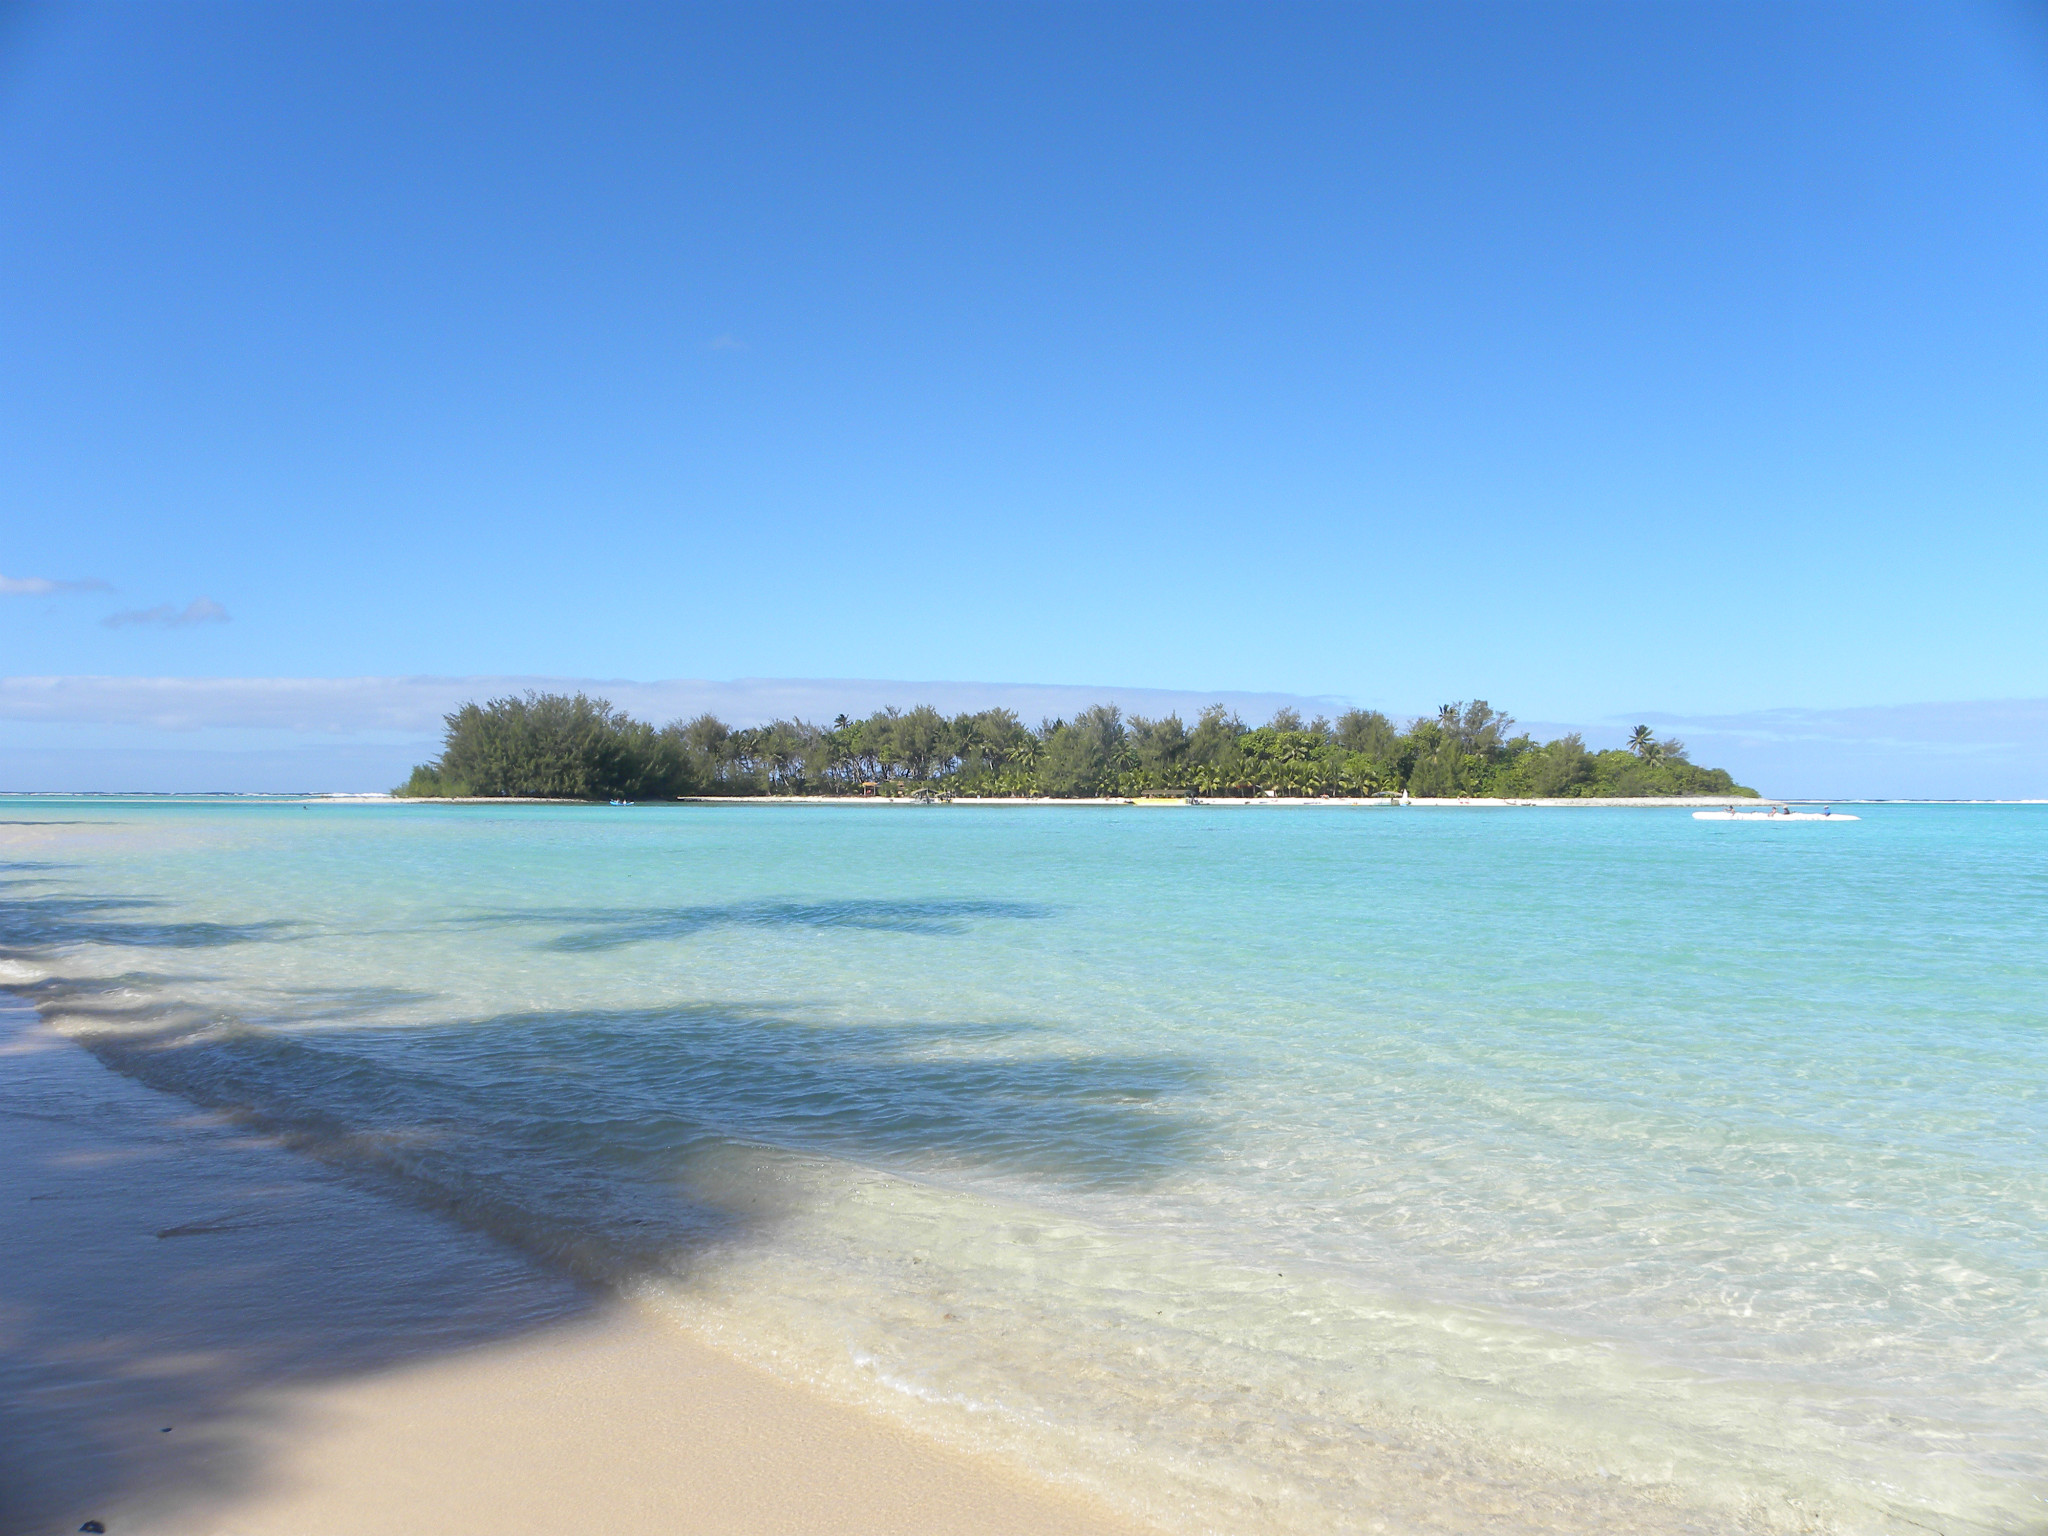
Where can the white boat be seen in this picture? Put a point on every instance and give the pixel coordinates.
(1734, 815)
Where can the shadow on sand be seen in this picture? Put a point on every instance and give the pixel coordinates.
(161, 1262)
(611, 929)
(161, 1273)
(34, 922)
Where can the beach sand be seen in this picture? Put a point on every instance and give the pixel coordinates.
(201, 1332)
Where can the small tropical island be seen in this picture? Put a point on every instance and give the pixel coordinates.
(573, 747)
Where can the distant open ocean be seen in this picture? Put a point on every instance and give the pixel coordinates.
(1287, 1169)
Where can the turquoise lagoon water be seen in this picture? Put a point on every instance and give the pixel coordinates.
(1298, 1169)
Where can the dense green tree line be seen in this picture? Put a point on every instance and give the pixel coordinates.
(578, 748)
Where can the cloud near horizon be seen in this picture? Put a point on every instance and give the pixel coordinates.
(201, 610)
(1973, 749)
(44, 586)
(1989, 725)
(350, 705)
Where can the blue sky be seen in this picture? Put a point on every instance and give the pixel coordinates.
(1602, 361)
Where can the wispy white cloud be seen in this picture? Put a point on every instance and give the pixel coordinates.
(726, 343)
(43, 586)
(201, 610)
(357, 705)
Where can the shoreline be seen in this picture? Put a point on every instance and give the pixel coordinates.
(1189, 1389)
(207, 1332)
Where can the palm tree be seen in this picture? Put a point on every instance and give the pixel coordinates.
(1641, 741)
(1359, 780)
(969, 749)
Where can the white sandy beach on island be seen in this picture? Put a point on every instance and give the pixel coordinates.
(202, 1333)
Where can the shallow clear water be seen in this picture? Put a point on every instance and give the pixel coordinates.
(1276, 1168)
